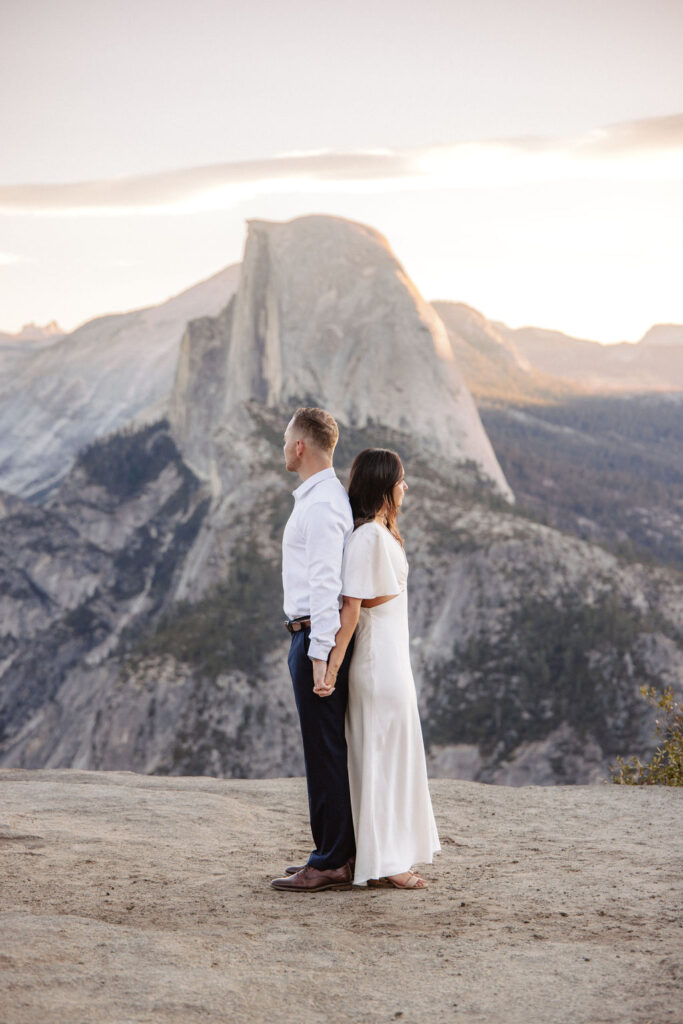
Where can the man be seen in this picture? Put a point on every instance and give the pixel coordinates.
(312, 548)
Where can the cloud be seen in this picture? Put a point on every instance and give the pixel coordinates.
(652, 135)
(169, 189)
(649, 135)
(6, 258)
(650, 148)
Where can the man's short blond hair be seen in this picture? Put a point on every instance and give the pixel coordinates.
(318, 425)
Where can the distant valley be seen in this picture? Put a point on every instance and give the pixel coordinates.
(585, 453)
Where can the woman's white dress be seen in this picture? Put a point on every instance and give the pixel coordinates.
(392, 809)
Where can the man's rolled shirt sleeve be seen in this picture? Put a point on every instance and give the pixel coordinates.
(324, 530)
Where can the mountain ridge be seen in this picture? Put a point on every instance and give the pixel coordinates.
(47, 385)
(107, 372)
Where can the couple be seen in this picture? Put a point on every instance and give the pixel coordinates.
(370, 809)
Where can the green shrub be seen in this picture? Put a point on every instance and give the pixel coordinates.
(666, 766)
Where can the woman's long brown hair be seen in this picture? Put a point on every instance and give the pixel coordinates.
(374, 474)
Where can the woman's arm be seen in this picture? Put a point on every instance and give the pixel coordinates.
(348, 617)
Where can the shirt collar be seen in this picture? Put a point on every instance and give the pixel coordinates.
(305, 487)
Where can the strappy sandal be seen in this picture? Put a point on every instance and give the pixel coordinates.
(387, 883)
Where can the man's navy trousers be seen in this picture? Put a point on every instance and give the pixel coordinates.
(325, 756)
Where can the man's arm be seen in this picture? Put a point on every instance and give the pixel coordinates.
(324, 531)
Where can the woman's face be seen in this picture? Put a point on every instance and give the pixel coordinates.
(399, 490)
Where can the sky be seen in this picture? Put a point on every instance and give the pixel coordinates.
(524, 158)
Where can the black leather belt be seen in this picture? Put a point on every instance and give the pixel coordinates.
(296, 625)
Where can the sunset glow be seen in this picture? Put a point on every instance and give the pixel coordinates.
(538, 190)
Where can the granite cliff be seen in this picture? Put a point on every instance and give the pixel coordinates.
(324, 308)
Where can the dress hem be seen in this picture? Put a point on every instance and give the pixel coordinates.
(390, 871)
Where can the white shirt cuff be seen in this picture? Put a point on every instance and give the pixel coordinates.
(317, 649)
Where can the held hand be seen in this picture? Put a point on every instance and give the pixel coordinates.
(319, 670)
(321, 684)
(330, 681)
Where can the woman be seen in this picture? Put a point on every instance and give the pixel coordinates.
(392, 810)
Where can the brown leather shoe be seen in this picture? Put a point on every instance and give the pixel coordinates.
(309, 879)
(291, 870)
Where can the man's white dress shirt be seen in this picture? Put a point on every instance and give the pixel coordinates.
(312, 549)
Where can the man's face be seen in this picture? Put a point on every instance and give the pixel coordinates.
(292, 459)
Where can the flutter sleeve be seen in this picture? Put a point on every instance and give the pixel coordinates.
(367, 567)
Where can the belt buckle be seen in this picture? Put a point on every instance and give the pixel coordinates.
(295, 625)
